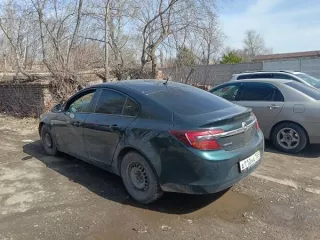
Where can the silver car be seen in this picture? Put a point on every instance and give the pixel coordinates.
(289, 75)
(288, 112)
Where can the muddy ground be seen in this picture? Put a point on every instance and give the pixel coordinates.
(43, 197)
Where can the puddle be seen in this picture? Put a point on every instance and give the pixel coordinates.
(229, 207)
(281, 214)
(175, 210)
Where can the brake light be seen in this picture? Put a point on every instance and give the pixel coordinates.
(257, 124)
(202, 140)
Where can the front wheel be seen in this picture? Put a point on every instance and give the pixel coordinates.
(139, 178)
(289, 137)
(48, 141)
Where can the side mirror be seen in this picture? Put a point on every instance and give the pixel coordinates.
(57, 108)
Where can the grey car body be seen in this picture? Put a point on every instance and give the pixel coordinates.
(288, 75)
(278, 104)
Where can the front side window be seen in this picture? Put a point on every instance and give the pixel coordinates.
(110, 102)
(81, 104)
(228, 92)
(257, 92)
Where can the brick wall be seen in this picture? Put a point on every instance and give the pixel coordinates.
(28, 99)
(25, 99)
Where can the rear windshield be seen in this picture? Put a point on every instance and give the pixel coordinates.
(311, 92)
(189, 100)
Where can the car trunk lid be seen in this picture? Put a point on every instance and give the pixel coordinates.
(232, 128)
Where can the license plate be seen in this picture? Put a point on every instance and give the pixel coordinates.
(250, 161)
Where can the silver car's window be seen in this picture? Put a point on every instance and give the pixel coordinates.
(228, 92)
(257, 92)
(283, 76)
(261, 75)
(245, 76)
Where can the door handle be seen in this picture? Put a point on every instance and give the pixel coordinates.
(273, 106)
(111, 127)
(77, 124)
(115, 127)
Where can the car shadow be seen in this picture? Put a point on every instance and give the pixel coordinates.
(311, 151)
(110, 186)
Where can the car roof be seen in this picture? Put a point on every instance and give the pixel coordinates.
(259, 72)
(144, 86)
(274, 81)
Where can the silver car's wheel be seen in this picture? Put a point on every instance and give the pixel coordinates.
(289, 137)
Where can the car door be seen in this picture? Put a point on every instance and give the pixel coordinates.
(69, 127)
(265, 100)
(104, 128)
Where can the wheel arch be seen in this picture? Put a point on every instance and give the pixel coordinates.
(287, 121)
(40, 127)
(125, 151)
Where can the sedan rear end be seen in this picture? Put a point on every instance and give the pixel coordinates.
(214, 143)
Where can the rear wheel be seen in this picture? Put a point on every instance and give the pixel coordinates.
(139, 178)
(48, 141)
(289, 137)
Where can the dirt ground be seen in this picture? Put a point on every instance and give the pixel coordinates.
(43, 197)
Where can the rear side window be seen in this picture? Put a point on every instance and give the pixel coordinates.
(110, 102)
(261, 75)
(131, 108)
(189, 101)
(283, 76)
(278, 97)
(258, 92)
(309, 91)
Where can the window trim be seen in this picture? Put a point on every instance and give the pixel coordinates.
(259, 83)
(126, 99)
(79, 95)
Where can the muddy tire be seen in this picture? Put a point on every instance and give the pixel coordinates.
(47, 141)
(139, 178)
(289, 137)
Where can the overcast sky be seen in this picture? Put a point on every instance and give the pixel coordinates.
(285, 25)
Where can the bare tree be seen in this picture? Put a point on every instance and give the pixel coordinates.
(212, 39)
(19, 37)
(254, 44)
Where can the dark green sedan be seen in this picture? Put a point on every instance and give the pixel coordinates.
(159, 136)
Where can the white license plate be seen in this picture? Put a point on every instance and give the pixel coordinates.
(250, 161)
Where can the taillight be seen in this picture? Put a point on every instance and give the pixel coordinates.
(257, 124)
(202, 140)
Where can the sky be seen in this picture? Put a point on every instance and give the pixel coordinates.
(285, 25)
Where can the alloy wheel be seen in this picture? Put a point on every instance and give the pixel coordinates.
(288, 138)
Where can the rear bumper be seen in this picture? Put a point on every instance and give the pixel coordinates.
(205, 188)
(203, 176)
(313, 130)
